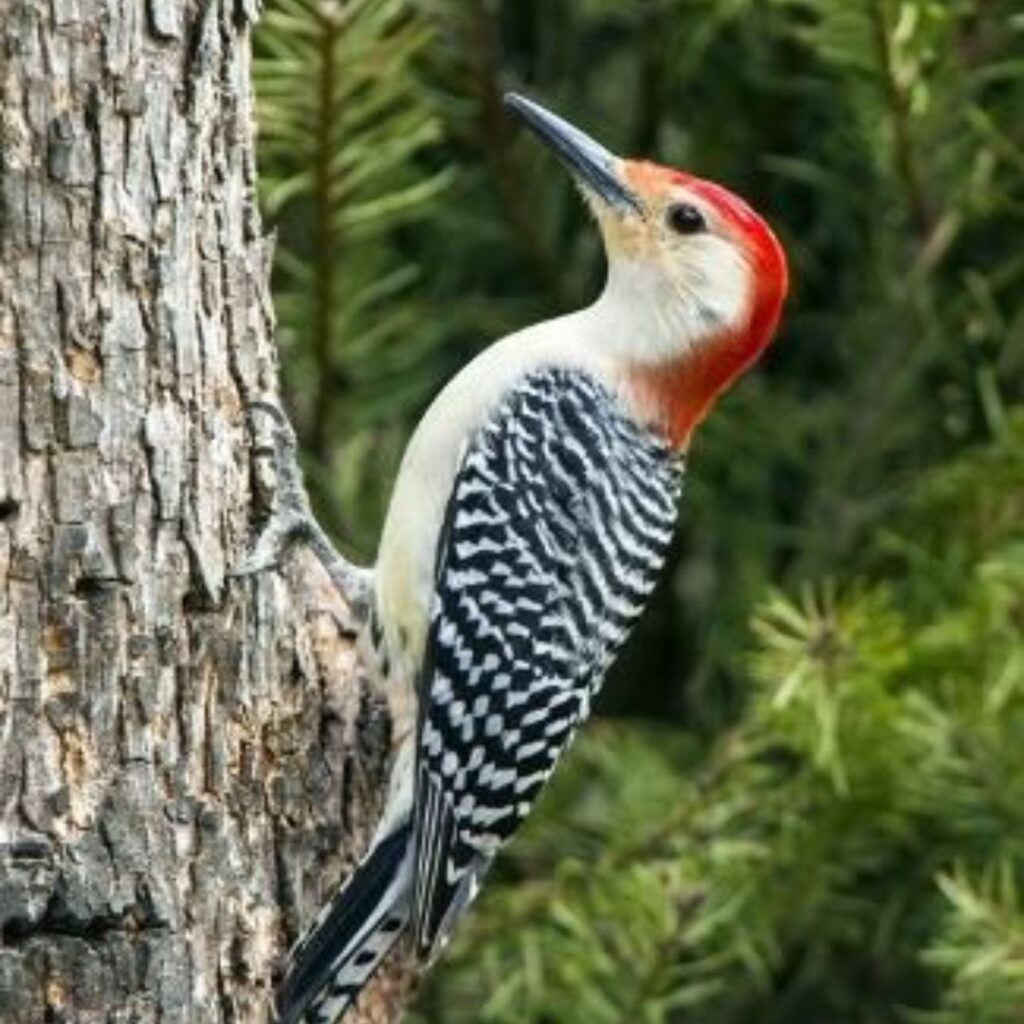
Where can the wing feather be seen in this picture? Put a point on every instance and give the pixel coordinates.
(558, 525)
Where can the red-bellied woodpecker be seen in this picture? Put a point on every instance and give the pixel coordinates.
(528, 525)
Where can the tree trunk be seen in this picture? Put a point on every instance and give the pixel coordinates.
(188, 763)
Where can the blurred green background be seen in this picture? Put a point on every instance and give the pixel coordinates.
(803, 798)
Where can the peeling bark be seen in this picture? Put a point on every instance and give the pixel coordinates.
(188, 763)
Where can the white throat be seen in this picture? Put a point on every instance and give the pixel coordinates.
(653, 314)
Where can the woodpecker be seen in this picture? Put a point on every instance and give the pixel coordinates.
(528, 524)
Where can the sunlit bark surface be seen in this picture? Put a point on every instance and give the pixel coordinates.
(188, 763)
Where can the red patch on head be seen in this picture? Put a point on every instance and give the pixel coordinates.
(685, 390)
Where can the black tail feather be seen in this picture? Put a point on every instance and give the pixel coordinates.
(335, 940)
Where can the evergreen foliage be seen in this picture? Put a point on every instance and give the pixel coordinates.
(343, 122)
(851, 849)
(804, 801)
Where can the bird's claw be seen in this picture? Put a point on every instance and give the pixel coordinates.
(276, 413)
(292, 520)
(282, 530)
(291, 493)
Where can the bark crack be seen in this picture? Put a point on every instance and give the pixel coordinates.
(59, 920)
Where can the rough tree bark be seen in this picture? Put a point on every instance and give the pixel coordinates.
(188, 762)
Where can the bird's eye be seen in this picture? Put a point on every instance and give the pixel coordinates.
(686, 219)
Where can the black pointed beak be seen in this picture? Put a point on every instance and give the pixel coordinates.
(588, 161)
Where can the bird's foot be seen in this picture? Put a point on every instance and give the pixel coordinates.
(292, 522)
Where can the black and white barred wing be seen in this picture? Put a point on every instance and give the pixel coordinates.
(556, 531)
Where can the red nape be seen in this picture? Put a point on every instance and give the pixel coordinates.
(680, 394)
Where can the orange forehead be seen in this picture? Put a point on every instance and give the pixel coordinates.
(647, 177)
(652, 179)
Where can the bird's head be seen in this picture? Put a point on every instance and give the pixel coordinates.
(696, 279)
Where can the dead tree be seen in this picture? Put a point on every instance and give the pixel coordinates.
(188, 761)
